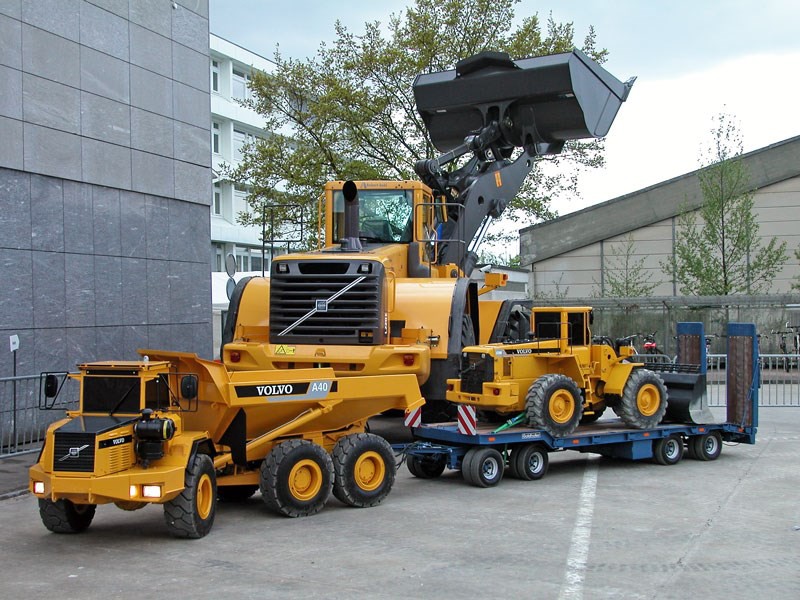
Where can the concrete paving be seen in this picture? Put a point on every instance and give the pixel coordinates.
(592, 528)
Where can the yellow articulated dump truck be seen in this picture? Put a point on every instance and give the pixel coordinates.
(389, 291)
(176, 430)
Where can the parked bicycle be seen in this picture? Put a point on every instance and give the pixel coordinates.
(785, 348)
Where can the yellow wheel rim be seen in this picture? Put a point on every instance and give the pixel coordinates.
(370, 471)
(648, 400)
(305, 480)
(205, 496)
(561, 406)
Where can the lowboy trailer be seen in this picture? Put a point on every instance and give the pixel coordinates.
(483, 452)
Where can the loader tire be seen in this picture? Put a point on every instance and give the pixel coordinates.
(64, 516)
(364, 469)
(553, 404)
(644, 400)
(191, 513)
(296, 478)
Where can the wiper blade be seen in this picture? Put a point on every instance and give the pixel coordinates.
(121, 400)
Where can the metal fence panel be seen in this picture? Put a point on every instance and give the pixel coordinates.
(22, 424)
(780, 380)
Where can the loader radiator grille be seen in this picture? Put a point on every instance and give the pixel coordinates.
(327, 302)
(475, 370)
(73, 452)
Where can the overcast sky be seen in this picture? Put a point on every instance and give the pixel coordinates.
(693, 59)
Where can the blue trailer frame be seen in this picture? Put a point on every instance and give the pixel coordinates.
(440, 446)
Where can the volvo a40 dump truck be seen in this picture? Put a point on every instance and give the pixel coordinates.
(557, 375)
(390, 290)
(182, 432)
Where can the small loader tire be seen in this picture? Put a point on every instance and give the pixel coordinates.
(364, 469)
(554, 404)
(191, 513)
(64, 516)
(644, 400)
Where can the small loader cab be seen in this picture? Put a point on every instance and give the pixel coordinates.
(384, 216)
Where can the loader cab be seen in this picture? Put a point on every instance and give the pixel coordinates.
(123, 389)
(570, 326)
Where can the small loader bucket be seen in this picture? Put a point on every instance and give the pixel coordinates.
(541, 101)
(687, 400)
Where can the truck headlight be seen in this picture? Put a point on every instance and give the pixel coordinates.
(38, 487)
(151, 491)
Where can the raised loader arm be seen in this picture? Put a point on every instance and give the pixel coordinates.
(491, 105)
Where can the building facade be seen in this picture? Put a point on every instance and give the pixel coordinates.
(105, 179)
(571, 256)
(232, 126)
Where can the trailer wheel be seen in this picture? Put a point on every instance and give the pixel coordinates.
(707, 446)
(553, 403)
(466, 462)
(191, 513)
(235, 493)
(296, 478)
(64, 516)
(644, 400)
(429, 466)
(530, 462)
(364, 469)
(668, 450)
(485, 468)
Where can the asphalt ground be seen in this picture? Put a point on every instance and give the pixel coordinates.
(592, 528)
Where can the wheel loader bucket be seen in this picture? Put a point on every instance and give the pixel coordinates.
(687, 400)
(539, 102)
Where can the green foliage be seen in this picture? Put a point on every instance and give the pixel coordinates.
(796, 282)
(721, 253)
(348, 112)
(624, 276)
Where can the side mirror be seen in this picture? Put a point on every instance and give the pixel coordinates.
(50, 386)
(188, 387)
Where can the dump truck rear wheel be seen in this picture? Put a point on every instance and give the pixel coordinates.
(64, 516)
(364, 469)
(191, 513)
(427, 466)
(668, 450)
(485, 467)
(707, 446)
(296, 478)
(235, 493)
(530, 462)
(644, 400)
(553, 403)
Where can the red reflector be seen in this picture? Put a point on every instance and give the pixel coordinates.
(408, 359)
(496, 391)
(576, 441)
(491, 439)
(702, 429)
(235, 356)
(646, 434)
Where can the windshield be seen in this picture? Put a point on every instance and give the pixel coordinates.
(383, 215)
(111, 394)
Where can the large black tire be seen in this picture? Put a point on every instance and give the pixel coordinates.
(644, 400)
(428, 466)
(296, 478)
(364, 469)
(668, 450)
(705, 447)
(485, 467)
(553, 404)
(64, 516)
(191, 513)
(466, 462)
(235, 493)
(530, 462)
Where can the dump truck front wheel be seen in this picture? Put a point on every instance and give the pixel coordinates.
(364, 469)
(554, 404)
(191, 513)
(644, 400)
(296, 478)
(64, 516)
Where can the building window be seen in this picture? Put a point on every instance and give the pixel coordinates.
(239, 85)
(215, 76)
(217, 205)
(215, 132)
